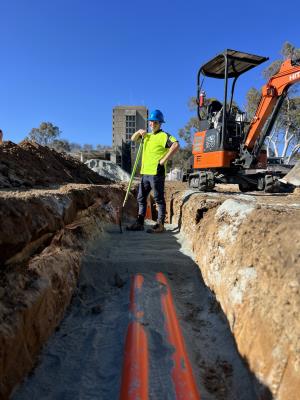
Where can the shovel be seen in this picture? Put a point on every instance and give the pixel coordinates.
(137, 159)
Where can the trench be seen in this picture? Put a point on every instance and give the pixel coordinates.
(228, 258)
(83, 358)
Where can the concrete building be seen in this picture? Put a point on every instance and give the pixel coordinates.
(125, 121)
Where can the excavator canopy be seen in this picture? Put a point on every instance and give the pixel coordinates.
(238, 63)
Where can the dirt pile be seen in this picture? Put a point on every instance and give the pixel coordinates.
(30, 164)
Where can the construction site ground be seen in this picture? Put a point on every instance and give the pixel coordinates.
(232, 261)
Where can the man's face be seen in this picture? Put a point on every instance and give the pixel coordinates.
(154, 126)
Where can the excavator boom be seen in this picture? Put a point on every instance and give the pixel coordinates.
(273, 91)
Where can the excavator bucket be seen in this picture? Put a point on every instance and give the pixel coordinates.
(293, 176)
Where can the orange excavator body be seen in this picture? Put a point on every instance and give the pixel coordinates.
(215, 159)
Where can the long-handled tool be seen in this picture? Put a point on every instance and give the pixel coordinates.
(137, 159)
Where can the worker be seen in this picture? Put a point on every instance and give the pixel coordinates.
(1, 136)
(158, 148)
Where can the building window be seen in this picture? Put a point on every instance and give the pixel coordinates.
(130, 118)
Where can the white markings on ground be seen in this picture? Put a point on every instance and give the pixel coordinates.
(236, 212)
(245, 276)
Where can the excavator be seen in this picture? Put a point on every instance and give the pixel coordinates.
(228, 148)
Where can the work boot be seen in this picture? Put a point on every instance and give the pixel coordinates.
(157, 228)
(138, 225)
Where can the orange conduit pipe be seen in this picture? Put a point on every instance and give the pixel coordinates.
(182, 374)
(135, 375)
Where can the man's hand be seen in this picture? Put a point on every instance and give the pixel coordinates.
(140, 133)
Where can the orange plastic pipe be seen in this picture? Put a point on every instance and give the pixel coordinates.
(182, 374)
(136, 287)
(135, 376)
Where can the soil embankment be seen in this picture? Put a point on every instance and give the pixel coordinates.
(29, 165)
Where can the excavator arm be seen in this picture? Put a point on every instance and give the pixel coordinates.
(273, 94)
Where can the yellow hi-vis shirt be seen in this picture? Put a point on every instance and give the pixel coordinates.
(156, 146)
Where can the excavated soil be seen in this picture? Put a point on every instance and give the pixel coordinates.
(232, 259)
(29, 164)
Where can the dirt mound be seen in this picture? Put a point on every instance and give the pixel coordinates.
(30, 164)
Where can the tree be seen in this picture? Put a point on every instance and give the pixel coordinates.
(44, 134)
(284, 139)
(87, 147)
(181, 158)
(187, 132)
(193, 125)
(101, 147)
(75, 147)
(60, 145)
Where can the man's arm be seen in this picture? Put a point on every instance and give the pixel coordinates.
(172, 150)
(138, 134)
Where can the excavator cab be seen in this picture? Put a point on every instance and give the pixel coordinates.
(225, 124)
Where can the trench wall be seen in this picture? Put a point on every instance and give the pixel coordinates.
(249, 256)
(43, 238)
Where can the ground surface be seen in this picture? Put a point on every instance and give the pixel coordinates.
(84, 357)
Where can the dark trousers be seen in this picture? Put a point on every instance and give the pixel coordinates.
(157, 184)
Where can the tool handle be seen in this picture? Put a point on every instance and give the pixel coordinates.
(137, 159)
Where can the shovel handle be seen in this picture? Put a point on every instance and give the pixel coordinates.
(137, 159)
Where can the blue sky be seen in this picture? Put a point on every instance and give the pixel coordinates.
(70, 61)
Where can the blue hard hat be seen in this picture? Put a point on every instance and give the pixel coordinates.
(156, 115)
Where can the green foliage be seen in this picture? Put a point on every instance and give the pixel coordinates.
(288, 51)
(181, 158)
(193, 125)
(187, 132)
(87, 147)
(253, 96)
(44, 134)
(60, 145)
(74, 147)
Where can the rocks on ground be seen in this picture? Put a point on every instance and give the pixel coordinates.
(108, 170)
